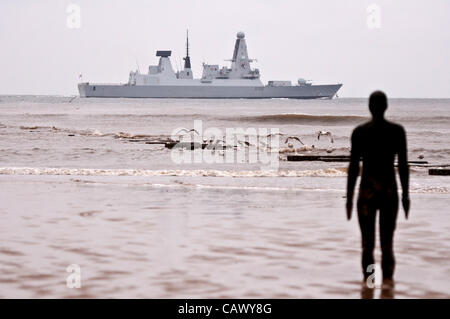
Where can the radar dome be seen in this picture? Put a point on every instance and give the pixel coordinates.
(240, 35)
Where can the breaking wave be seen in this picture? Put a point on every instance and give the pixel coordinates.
(420, 190)
(426, 119)
(331, 172)
(430, 189)
(431, 150)
(304, 119)
(55, 129)
(92, 132)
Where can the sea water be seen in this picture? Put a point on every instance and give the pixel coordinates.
(79, 186)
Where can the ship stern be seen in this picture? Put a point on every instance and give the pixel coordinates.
(82, 89)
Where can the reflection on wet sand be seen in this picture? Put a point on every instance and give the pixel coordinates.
(133, 238)
(386, 291)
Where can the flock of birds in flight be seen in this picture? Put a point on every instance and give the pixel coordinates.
(288, 140)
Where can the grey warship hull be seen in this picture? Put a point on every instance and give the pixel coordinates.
(208, 92)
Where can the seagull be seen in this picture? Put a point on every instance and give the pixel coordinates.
(319, 133)
(244, 143)
(186, 131)
(293, 138)
(210, 140)
(274, 134)
(73, 98)
(261, 138)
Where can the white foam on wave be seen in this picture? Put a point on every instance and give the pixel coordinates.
(430, 189)
(330, 172)
(181, 184)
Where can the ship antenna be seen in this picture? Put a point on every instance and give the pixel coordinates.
(187, 59)
(187, 42)
(137, 64)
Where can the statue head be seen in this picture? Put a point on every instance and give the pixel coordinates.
(378, 104)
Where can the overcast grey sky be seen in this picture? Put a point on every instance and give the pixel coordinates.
(328, 41)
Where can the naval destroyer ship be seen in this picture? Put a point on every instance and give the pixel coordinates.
(238, 81)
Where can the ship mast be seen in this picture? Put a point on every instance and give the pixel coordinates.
(187, 59)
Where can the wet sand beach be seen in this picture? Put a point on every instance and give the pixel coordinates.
(73, 191)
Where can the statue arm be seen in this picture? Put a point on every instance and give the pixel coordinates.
(403, 170)
(353, 171)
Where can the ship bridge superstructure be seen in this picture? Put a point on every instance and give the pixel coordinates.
(240, 64)
(239, 74)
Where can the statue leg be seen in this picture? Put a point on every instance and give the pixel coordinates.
(388, 218)
(366, 218)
